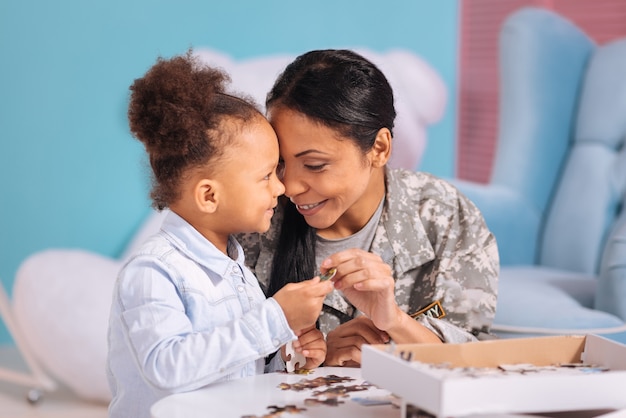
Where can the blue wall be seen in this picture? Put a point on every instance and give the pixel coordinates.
(70, 173)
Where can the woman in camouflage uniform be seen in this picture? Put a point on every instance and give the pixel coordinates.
(415, 261)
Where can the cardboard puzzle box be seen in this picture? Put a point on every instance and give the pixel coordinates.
(524, 375)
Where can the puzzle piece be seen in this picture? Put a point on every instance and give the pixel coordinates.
(329, 274)
(293, 358)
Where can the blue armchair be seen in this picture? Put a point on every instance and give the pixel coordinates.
(555, 201)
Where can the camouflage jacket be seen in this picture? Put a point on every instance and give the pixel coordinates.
(444, 259)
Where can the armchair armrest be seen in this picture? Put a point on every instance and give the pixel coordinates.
(611, 290)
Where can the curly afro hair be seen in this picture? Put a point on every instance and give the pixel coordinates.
(175, 110)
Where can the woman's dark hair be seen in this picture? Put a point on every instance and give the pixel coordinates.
(341, 90)
(175, 110)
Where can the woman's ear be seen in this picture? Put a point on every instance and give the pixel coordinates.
(381, 151)
(206, 195)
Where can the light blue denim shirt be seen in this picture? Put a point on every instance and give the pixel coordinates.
(185, 315)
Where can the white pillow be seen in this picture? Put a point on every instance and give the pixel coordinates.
(61, 303)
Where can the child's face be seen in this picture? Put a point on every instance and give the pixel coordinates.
(250, 185)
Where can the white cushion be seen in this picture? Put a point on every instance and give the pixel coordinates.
(536, 300)
(61, 302)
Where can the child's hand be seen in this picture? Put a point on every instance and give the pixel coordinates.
(312, 345)
(302, 302)
(294, 360)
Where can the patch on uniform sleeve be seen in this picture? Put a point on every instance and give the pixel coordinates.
(434, 310)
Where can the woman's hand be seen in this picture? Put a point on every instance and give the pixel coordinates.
(366, 281)
(344, 342)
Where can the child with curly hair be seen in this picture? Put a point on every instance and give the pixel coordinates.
(186, 312)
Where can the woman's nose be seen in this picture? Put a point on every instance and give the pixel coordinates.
(293, 185)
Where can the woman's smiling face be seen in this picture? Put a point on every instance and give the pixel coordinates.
(326, 176)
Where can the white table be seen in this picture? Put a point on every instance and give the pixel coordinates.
(252, 396)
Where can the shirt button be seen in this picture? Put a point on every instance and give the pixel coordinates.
(235, 269)
(276, 343)
(240, 288)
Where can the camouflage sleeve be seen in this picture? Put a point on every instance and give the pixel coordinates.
(446, 331)
(251, 244)
(468, 265)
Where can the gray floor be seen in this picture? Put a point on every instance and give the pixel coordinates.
(58, 404)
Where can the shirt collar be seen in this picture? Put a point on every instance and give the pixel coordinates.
(195, 246)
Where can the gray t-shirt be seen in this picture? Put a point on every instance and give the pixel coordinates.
(326, 247)
(362, 239)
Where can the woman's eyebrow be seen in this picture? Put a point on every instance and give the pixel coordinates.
(309, 151)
